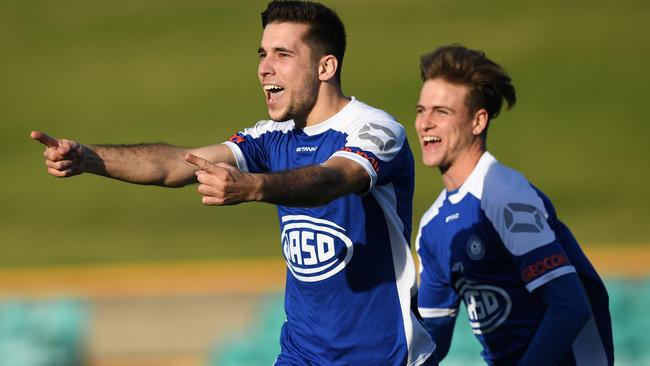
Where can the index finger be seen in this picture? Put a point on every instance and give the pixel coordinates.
(44, 139)
(199, 162)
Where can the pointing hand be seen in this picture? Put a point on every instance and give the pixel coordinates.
(63, 158)
(222, 184)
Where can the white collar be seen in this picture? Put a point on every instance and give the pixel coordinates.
(474, 183)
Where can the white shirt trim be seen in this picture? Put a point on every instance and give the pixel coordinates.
(531, 286)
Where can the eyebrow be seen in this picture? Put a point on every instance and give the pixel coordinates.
(276, 49)
(437, 106)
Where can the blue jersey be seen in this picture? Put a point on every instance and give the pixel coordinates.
(350, 276)
(491, 243)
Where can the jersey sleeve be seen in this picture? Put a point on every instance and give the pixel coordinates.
(567, 311)
(380, 148)
(436, 296)
(521, 219)
(248, 146)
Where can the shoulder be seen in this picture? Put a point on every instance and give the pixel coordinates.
(499, 179)
(516, 209)
(429, 216)
(502, 184)
(359, 117)
(433, 210)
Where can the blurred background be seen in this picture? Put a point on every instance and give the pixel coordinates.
(97, 272)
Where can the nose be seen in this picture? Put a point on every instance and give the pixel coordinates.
(424, 121)
(265, 67)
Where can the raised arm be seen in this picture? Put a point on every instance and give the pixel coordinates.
(222, 184)
(154, 164)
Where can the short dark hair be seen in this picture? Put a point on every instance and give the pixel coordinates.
(488, 82)
(326, 34)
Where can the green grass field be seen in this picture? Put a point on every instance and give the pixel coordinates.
(185, 73)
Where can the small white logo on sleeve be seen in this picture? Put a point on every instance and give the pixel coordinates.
(314, 249)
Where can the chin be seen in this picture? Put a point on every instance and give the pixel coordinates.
(429, 162)
(278, 116)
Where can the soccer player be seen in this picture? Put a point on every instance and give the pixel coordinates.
(342, 175)
(492, 239)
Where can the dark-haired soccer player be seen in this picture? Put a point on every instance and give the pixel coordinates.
(492, 239)
(341, 173)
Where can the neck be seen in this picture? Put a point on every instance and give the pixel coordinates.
(455, 174)
(329, 102)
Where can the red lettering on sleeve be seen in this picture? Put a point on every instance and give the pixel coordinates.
(237, 139)
(542, 266)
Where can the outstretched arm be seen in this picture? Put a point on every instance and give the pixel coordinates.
(155, 164)
(222, 184)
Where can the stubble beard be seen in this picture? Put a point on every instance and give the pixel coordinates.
(303, 103)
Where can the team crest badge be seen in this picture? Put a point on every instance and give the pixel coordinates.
(475, 248)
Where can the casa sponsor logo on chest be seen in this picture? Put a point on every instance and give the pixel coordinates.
(314, 249)
(487, 306)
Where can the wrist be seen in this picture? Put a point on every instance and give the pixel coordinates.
(89, 160)
(259, 182)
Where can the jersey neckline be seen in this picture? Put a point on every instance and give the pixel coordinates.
(474, 183)
(330, 122)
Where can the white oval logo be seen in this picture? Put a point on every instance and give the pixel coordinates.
(314, 249)
(487, 306)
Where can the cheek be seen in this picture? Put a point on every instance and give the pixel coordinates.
(417, 124)
(422, 123)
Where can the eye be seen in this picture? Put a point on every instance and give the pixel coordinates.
(283, 55)
(419, 110)
(443, 112)
(261, 55)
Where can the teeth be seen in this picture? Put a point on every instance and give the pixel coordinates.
(431, 139)
(273, 88)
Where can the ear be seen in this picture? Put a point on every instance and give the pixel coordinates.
(327, 67)
(479, 122)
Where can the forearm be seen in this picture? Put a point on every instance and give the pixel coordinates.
(441, 331)
(314, 185)
(223, 184)
(152, 164)
(567, 311)
(304, 187)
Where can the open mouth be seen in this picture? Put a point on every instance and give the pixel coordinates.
(430, 140)
(273, 92)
